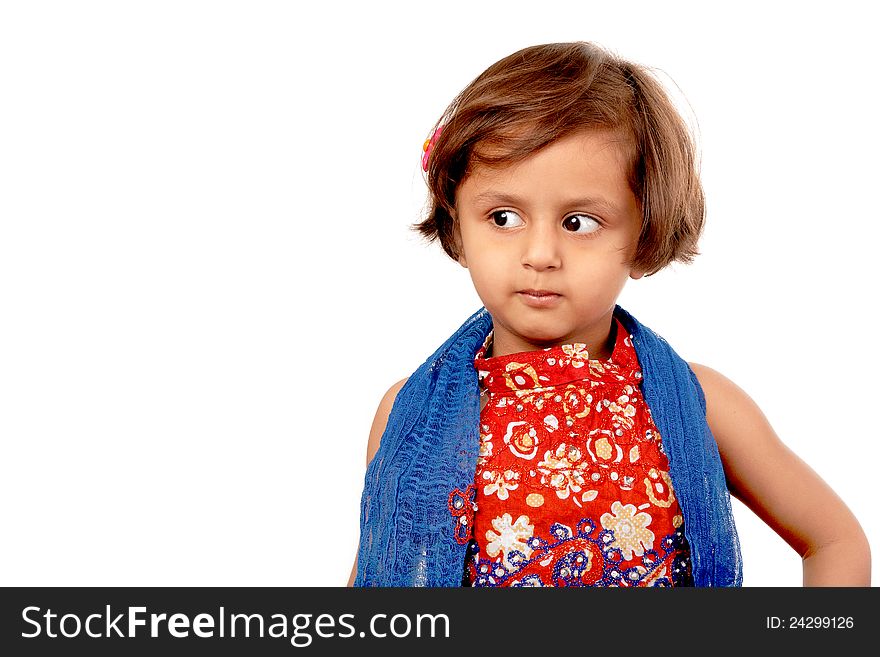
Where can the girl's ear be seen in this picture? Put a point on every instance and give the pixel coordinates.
(636, 274)
(456, 236)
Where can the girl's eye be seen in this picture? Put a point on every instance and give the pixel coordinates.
(581, 223)
(506, 218)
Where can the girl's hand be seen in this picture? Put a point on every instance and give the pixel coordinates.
(782, 490)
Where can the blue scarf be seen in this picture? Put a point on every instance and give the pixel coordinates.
(431, 442)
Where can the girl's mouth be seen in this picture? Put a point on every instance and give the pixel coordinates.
(539, 298)
(538, 293)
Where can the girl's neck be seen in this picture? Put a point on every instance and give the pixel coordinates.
(599, 348)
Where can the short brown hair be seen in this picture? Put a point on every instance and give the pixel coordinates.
(541, 93)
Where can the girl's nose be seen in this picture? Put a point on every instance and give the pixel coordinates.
(541, 248)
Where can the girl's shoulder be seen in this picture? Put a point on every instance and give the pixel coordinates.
(381, 419)
(737, 423)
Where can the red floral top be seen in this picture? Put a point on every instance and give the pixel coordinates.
(572, 485)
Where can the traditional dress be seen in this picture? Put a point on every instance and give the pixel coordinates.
(572, 486)
(419, 502)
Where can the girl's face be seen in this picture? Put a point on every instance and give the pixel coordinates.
(563, 221)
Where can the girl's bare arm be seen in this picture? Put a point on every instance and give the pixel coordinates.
(782, 490)
(376, 431)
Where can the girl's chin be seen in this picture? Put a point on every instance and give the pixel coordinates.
(534, 335)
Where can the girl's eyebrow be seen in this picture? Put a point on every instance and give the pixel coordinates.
(491, 196)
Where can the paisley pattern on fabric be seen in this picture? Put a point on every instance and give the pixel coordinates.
(572, 483)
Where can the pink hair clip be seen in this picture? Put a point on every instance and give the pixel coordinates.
(429, 146)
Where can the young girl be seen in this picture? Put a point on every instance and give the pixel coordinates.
(554, 440)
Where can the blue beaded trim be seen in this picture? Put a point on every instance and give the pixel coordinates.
(567, 569)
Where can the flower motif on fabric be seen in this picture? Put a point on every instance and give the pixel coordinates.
(485, 446)
(576, 402)
(500, 483)
(577, 353)
(623, 410)
(602, 447)
(631, 533)
(509, 537)
(563, 470)
(461, 506)
(522, 439)
(551, 423)
(521, 376)
(663, 487)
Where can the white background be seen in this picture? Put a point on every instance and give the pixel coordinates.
(207, 282)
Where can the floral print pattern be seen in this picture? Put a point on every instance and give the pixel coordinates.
(500, 483)
(631, 533)
(572, 486)
(509, 537)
